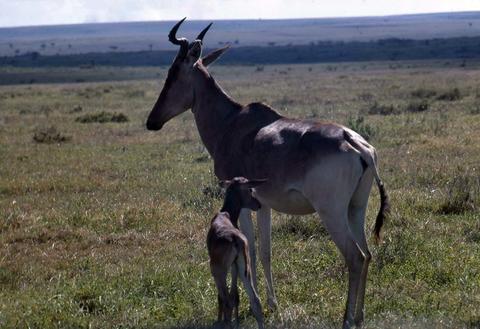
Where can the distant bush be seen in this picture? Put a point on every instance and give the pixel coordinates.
(450, 95)
(424, 93)
(135, 94)
(76, 109)
(102, 117)
(366, 97)
(381, 109)
(475, 109)
(462, 195)
(415, 107)
(364, 129)
(49, 135)
(322, 51)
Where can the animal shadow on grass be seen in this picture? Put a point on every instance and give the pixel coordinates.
(244, 323)
(213, 325)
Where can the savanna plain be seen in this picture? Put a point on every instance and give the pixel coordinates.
(103, 224)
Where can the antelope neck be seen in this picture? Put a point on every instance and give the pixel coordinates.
(213, 109)
(232, 207)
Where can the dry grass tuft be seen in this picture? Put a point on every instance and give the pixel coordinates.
(102, 117)
(50, 135)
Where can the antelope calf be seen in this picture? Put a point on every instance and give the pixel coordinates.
(228, 249)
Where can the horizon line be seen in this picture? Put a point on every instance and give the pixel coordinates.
(242, 19)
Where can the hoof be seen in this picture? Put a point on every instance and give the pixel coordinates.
(359, 319)
(359, 323)
(347, 324)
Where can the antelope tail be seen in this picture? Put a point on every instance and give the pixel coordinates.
(243, 244)
(383, 211)
(368, 155)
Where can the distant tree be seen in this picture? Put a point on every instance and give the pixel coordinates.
(113, 47)
(10, 45)
(43, 46)
(34, 55)
(150, 46)
(52, 44)
(69, 46)
(17, 51)
(236, 42)
(271, 43)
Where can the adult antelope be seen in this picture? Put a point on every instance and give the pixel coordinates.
(311, 166)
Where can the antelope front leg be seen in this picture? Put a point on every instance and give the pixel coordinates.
(246, 227)
(264, 222)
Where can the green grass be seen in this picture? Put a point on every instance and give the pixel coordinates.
(108, 230)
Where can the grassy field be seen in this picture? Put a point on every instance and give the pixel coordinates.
(103, 224)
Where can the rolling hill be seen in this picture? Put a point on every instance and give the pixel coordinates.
(140, 36)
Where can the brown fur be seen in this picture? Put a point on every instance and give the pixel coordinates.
(311, 166)
(228, 250)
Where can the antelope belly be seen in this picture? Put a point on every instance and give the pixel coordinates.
(291, 202)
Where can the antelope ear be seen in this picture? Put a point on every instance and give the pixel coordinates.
(214, 55)
(195, 50)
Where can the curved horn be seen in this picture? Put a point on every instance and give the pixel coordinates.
(172, 36)
(204, 31)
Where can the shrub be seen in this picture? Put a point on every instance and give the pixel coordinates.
(76, 109)
(462, 195)
(382, 109)
(135, 94)
(366, 97)
(102, 117)
(450, 95)
(364, 129)
(420, 106)
(423, 93)
(89, 301)
(475, 109)
(49, 135)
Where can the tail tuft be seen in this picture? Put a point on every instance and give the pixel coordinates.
(243, 244)
(382, 213)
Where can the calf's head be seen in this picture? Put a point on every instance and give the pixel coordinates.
(239, 191)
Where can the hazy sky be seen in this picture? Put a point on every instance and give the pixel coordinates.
(42, 12)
